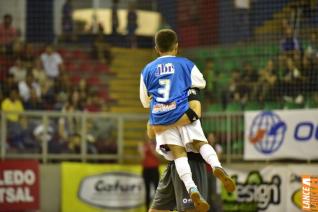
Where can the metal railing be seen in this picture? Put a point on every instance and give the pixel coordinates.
(228, 128)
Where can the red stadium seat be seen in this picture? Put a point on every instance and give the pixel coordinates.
(75, 79)
(71, 67)
(86, 67)
(101, 68)
(94, 81)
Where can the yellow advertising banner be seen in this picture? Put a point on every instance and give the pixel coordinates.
(106, 187)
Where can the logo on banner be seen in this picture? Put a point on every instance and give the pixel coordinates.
(267, 132)
(310, 193)
(115, 190)
(19, 185)
(254, 194)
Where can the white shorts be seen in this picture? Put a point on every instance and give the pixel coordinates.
(180, 136)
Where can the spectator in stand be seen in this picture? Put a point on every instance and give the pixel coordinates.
(8, 35)
(266, 83)
(67, 19)
(290, 84)
(214, 198)
(93, 102)
(52, 62)
(18, 71)
(39, 73)
(289, 44)
(34, 102)
(69, 128)
(27, 55)
(101, 50)
(211, 80)
(28, 86)
(115, 20)
(150, 166)
(13, 104)
(7, 85)
(249, 78)
(237, 91)
(132, 25)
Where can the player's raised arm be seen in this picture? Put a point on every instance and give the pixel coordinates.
(143, 94)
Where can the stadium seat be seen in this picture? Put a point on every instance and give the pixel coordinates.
(310, 103)
(215, 108)
(75, 79)
(233, 107)
(292, 105)
(93, 81)
(101, 68)
(253, 106)
(272, 106)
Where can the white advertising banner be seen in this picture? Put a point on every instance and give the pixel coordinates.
(281, 134)
(274, 188)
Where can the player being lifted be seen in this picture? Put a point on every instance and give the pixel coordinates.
(164, 87)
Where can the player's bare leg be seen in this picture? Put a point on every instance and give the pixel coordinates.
(210, 156)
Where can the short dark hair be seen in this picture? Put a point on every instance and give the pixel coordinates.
(165, 40)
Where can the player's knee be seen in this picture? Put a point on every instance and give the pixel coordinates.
(198, 144)
(177, 151)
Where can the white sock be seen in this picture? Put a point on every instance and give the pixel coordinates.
(184, 172)
(210, 156)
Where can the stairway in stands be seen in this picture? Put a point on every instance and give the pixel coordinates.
(124, 88)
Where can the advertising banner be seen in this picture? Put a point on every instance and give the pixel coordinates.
(19, 185)
(281, 134)
(276, 188)
(109, 187)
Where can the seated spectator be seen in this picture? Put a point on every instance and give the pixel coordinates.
(18, 71)
(93, 102)
(266, 82)
(34, 102)
(290, 83)
(211, 80)
(28, 55)
(237, 91)
(8, 34)
(52, 62)
(249, 77)
(28, 86)
(7, 85)
(39, 73)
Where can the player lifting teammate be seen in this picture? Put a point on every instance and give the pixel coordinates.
(165, 86)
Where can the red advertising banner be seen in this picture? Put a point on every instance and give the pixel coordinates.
(19, 185)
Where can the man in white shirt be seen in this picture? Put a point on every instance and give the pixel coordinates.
(25, 88)
(52, 62)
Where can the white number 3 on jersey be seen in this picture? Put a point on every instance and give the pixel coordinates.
(164, 90)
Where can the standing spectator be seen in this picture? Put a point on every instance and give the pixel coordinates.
(28, 86)
(18, 71)
(67, 19)
(8, 34)
(14, 105)
(150, 164)
(132, 25)
(289, 44)
(115, 20)
(52, 62)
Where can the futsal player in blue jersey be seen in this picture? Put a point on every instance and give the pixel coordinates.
(165, 85)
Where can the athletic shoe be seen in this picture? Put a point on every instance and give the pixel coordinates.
(227, 181)
(199, 203)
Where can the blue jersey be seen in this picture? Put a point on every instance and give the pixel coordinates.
(167, 81)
